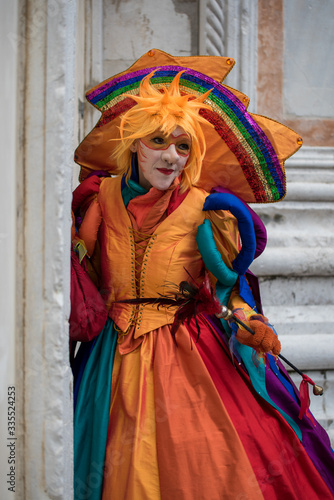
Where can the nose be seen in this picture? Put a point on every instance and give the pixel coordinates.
(170, 154)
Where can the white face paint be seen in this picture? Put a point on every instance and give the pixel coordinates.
(161, 158)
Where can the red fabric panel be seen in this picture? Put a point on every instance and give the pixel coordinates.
(281, 465)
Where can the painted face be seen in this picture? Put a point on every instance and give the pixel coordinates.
(161, 158)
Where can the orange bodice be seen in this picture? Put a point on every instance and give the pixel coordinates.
(170, 252)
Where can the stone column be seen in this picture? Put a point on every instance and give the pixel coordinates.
(8, 245)
(89, 68)
(46, 111)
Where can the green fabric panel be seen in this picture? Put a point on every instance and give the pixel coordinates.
(212, 258)
(91, 417)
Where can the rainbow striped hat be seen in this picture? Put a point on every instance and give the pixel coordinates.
(245, 152)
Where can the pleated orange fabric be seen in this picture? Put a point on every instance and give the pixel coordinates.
(131, 467)
(170, 436)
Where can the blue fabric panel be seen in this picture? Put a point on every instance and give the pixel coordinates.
(226, 201)
(246, 293)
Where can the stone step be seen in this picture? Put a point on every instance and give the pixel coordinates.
(309, 352)
(297, 291)
(295, 261)
(301, 320)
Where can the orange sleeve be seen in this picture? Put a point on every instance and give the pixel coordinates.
(90, 226)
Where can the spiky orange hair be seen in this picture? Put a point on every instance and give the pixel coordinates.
(163, 109)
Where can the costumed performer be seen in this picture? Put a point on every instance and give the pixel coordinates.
(172, 402)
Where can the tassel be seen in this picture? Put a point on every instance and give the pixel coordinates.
(305, 398)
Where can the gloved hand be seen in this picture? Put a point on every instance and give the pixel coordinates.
(264, 339)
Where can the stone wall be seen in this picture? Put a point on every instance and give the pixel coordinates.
(131, 28)
(38, 46)
(295, 86)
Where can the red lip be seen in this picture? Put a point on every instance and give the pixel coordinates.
(166, 171)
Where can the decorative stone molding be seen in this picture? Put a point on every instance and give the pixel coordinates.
(310, 176)
(301, 227)
(212, 27)
(312, 157)
(296, 261)
(229, 28)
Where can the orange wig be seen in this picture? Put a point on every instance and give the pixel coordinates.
(163, 109)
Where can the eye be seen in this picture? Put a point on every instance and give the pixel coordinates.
(158, 140)
(184, 147)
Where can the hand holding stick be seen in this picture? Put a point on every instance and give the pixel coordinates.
(228, 315)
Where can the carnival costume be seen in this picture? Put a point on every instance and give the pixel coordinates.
(193, 414)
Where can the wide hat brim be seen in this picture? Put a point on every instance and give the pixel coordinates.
(245, 152)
